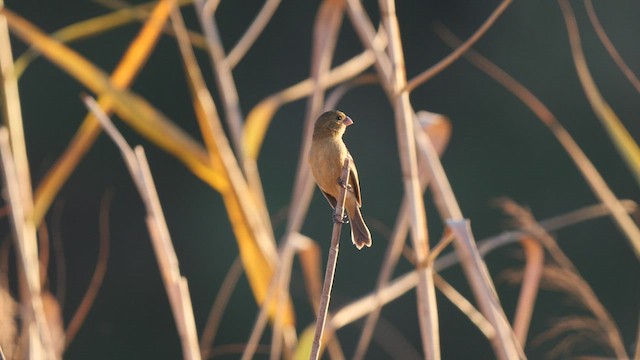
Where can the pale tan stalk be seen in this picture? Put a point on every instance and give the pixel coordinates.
(98, 274)
(40, 344)
(394, 251)
(534, 265)
(465, 307)
(404, 283)
(24, 227)
(588, 171)
(251, 35)
(404, 119)
(231, 104)
(611, 49)
(624, 143)
(332, 261)
(175, 284)
(217, 310)
(459, 51)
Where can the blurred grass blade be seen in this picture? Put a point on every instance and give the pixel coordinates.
(624, 142)
(132, 108)
(94, 27)
(259, 118)
(611, 49)
(133, 60)
(257, 248)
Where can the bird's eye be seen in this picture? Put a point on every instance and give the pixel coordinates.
(339, 118)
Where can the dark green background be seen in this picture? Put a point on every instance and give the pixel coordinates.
(498, 148)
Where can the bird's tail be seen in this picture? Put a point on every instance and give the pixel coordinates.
(360, 235)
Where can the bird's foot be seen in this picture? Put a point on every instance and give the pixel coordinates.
(342, 183)
(341, 220)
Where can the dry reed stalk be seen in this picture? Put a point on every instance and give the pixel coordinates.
(530, 282)
(567, 277)
(133, 60)
(611, 49)
(622, 140)
(40, 344)
(458, 51)
(404, 119)
(588, 171)
(404, 283)
(261, 115)
(231, 105)
(253, 32)
(398, 235)
(465, 307)
(235, 194)
(217, 309)
(98, 274)
(332, 261)
(175, 284)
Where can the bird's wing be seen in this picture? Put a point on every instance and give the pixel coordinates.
(332, 201)
(353, 181)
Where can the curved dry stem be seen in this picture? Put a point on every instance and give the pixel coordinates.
(588, 171)
(251, 35)
(611, 49)
(98, 274)
(217, 310)
(529, 290)
(459, 51)
(623, 141)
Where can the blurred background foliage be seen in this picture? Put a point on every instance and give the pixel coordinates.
(498, 148)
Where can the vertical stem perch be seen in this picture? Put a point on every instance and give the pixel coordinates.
(332, 260)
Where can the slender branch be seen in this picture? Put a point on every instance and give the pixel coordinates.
(611, 49)
(459, 51)
(529, 290)
(332, 261)
(175, 284)
(251, 35)
(623, 141)
(590, 174)
(98, 274)
(217, 310)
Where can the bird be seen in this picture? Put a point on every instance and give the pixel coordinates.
(326, 159)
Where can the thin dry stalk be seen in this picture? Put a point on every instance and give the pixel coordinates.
(568, 278)
(459, 51)
(404, 283)
(175, 285)
(530, 283)
(236, 194)
(465, 307)
(272, 296)
(251, 35)
(332, 261)
(128, 67)
(98, 274)
(611, 49)
(588, 171)
(24, 235)
(404, 119)
(231, 104)
(622, 139)
(217, 310)
(396, 244)
(222, 70)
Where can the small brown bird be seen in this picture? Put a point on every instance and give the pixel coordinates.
(326, 158)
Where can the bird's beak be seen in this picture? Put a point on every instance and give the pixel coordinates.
(347, 121)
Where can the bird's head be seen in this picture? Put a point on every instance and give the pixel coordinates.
(332, 122)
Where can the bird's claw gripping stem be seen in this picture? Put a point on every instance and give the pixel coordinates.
(341, 220)
(346, 186)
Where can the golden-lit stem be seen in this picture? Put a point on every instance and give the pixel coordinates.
(332, 261)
